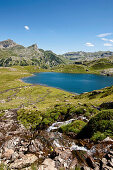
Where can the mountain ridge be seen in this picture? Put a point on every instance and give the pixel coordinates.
(12, 53)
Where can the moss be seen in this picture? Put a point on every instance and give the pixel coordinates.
(102, 122)
(101, 136)
(29, 118)
(74, 127)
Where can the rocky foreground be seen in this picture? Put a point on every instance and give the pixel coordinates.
(48, 149)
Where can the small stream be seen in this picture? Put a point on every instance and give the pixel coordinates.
(60, 140)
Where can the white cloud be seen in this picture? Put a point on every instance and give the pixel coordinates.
(104, 35)
(26, 27)
(104, 39)
(108, 45)
(111, 40)
(89, 44)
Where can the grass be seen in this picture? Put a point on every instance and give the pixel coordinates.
(16, 93)
(74, 127)
(44, 105)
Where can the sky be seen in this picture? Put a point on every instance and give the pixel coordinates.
(58, 25)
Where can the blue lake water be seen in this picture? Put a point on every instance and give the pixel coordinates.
(75, 83)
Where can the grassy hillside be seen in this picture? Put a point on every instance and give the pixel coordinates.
(98, 66)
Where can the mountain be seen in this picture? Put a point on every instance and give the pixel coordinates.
(12, 53)
(81, 55)
(7, 44)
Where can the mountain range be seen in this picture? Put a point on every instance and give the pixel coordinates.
(81, 55)
(12, 53)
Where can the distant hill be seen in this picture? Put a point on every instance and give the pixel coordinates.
(81, 55)
(12, 53)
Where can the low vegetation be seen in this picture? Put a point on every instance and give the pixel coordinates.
(99, 126)
(74, 127)
(39, 106)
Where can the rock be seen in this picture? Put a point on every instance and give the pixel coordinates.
(104, 160)
(35, 146)
(64, 157)
(110, 163)
(12, 143)
(14, 156)
(66, 100)
(8, 153)
(2, 101)
(7, 44)
(90, 162)
(107, 167)
(1, 136)
(86, 168)
(48, 164)
(26, 160)
(111, 153)
(108, 139)
(73, 163)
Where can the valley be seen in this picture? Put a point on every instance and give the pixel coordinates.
(43, 127)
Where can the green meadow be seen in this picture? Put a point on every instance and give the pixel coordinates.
(39, 106)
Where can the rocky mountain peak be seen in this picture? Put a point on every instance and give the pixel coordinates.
(7, 43)
(34, 47)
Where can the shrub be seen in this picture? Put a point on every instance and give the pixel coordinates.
(75, 127)
(30, 118)
(101, 136)
(102, 122)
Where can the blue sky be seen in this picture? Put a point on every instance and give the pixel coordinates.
(58, 25)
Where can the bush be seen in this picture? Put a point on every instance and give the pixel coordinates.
(74, 127)
(102, 122)
(101, 136)
(30, 118)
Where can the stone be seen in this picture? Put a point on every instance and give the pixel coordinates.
(86, 168)
(104, 160)
(8, 153)
(25, 161)
(12, 143)
(48, 164)
(111, 153)
(73, 163)
(90, 162)
(35, 146)
(108, 139)
(1, 136)
(110, 164)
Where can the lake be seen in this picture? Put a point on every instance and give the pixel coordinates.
(75, 83)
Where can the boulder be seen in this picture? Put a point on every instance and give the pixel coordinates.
(48, 164)
(1, 136)
(108, 139)
(8, 154)
(25, 161)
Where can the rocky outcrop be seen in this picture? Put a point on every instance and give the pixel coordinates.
(34, 47)
(20, 148)
(48, 164)
(7, 44)
(25, 161)
(108, 72)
